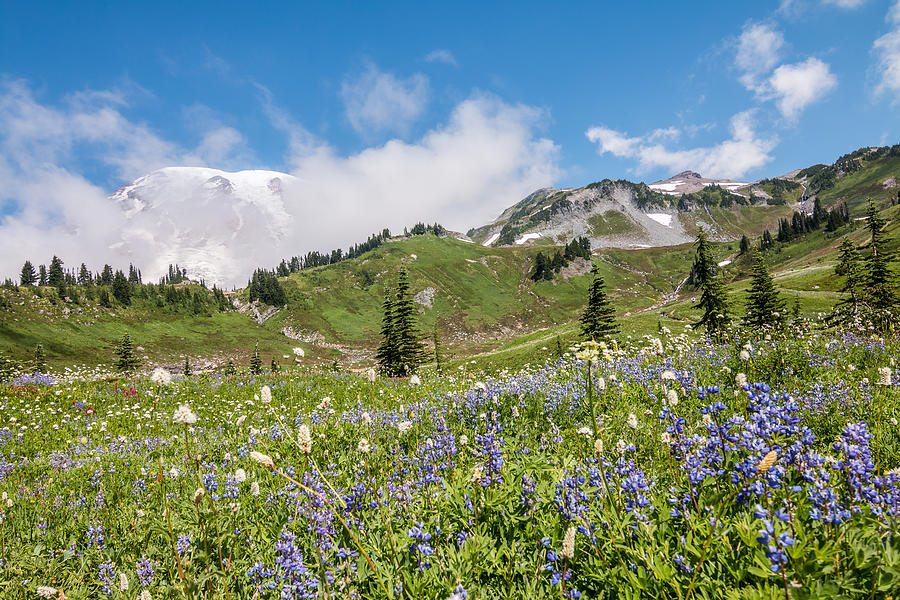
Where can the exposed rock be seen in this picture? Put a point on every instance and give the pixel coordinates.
(890, 182)
(425, 297)
(256, 310)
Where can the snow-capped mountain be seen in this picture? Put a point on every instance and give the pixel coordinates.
(215, 223)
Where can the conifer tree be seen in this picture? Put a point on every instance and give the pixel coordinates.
(106, 276)
(42, 278)
(387, 354)
(126, 361)
(410, 352)
(28, 276)
(850, 268)
(229, 368)
(256, 361)
(745, 244)
(599, 318)
(713, 297)
(879, 279)
(55, 275)
(187, 366)
(84, 276)
(121, 289)
(273, 367)
(764, 303)
(40, 359)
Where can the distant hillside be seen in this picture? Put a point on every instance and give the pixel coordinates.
(633, 215)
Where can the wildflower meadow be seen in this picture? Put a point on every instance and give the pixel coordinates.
(672, 467)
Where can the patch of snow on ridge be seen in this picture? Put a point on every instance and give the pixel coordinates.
(491, 239)
(526, 237)
(661, 218)
(665, 187)
(724, 263)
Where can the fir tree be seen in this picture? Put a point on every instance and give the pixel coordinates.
(387, 354)
(764, 303)
(229, 368)
(713, 297)
(42, 278)
(28, 276)
(40, 359)
(126, 361)
(879, 279)
(599, 318)
(106, 275)
(273, 367)
(84, 276)
(187, 367)
(55, 275)
(256, 361)
(121, 289)
(410, 352)
(745, 244)
(850, 268)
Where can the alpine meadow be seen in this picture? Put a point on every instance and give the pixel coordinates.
(453, 302)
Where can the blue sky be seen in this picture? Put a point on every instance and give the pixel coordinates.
(554, 93)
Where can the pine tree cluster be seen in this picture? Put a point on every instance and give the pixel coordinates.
(546, 267)
(265, 287)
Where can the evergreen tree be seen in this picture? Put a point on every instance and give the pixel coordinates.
(187, 367)
(879, 279)
(121, 289)
(599, 318)
(273, 367)
(40, 359)
(387, 354)
(126, 361)
(256, 361)
(84, 276)
(55, 275)
(410, 351)
(28, 276)
(713, 297)
(850, 268)
(42, 278)
(764, 303)
(106, 276)
(229, 368)
(745, 244)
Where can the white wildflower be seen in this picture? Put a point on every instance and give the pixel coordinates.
(241, 420)
(884, 376)
(586, 431)
(366, 418)
(707, 420)
(46, 591)
(123, 582)
(668, 375)
(370, 375)
(740, 380)
(160, 376)
(672, 398)
(744, 356)
(404, 426)
(620, 446)
(666, 438)
(304, 440)
(198, 495)
(298, 351)
(240, 476)
(265, 395)
(463, 440)
(477, 474)
(568, 545)
(263, 459)
(598, 446)
(145, 595)
(254, 489)
(600, 384)
(632, 421)
(363, 446)
(184, 415)
(414, 380)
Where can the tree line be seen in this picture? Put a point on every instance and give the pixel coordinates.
(545, 267)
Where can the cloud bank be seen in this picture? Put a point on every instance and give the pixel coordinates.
(485, 156)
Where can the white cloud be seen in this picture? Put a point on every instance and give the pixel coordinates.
(758, 51)
(845, 3)
(798, 85)
(743, 152)
(442, 56)
(381, 102)
(887, 49)
(464, 172)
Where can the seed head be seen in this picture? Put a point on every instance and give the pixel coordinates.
(263, 459)
(766, 463)
(304, 439)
